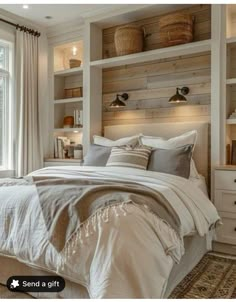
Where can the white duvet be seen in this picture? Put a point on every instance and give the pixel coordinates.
(128, 254)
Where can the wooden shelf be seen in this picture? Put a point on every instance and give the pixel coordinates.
(231, 81)
(70, 100)
(67, 129)
(151, 55)
(231, 40)
(69, 72)
(71, 160)
(231, 121)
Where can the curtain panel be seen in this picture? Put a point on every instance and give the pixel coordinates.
(29, 153)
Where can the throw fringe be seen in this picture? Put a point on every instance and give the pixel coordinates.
(172, 243)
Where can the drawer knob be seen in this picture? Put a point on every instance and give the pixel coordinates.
(235, 202)
(235, 229)
(235, 180)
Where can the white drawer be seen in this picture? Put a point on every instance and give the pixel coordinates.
(225, 201)
(227, 232)
(225, 180)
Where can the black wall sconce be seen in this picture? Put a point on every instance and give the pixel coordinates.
(179, 98)
(118, 102)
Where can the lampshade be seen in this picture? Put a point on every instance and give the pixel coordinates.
(179, 98)
(119, 103)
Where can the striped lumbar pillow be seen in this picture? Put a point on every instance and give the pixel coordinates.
(127, 156)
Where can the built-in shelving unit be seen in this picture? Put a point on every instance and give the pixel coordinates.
(157, 54)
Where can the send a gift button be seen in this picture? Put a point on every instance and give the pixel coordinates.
(36, 283)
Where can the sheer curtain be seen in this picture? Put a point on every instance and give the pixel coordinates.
(29, 155)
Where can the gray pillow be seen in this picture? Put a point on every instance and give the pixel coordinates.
(97, 156)
(171, 161)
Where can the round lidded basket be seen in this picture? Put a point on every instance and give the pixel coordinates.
(176, 29)
(128, 40)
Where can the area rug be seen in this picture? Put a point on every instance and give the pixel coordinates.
(213, 277)
(6, 294)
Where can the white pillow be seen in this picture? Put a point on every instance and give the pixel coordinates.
(188, 138)
(124, 141)
(172, 143)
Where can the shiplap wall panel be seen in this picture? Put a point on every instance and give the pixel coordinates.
(202, 29)
(150, 85)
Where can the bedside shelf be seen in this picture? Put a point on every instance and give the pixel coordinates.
(69, 100)
(67, 129)
(69, 72)
(231, 121)
(69, 160)
(231, 81)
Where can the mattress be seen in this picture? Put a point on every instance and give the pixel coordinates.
(195, 249)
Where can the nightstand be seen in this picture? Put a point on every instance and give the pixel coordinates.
(51, 162)
(225, 202)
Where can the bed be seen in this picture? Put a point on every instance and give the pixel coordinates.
(168, 260)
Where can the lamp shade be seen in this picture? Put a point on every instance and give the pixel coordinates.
(117, 102)
(177, 98)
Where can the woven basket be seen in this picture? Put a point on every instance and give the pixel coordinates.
(75, 63)
(176, 29)
(128, 40)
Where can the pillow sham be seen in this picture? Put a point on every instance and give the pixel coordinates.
(97, 156)
(125, 156)
(172, 161)
(174, 142)
(188, 138)
(106, 142)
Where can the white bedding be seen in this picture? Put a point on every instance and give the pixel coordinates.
(130, 255)
(200, 183)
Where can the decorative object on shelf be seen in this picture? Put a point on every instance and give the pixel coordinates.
(233, 115)
(73, 92)
(75, 63)
(233, 154)
(68, 122)
(176, 28)
(179, 98)
(78, 151)
(119, 103)
(128, 39)
(70, 148)
(78, 118)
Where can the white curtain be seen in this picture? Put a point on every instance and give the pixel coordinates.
(29, 155)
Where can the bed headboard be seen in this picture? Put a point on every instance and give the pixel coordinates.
(168, 130)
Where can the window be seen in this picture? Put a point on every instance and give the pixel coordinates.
(5, 105)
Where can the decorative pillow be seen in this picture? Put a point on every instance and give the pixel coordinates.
(124, 141)
(188, 138)
(172, 161)
(129, 157)
(97, 156)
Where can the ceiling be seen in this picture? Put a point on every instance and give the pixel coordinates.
(60, 13)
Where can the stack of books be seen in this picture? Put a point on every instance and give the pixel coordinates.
(59, 146)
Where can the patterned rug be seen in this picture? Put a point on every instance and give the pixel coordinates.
(6, 294)
(213, 277)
